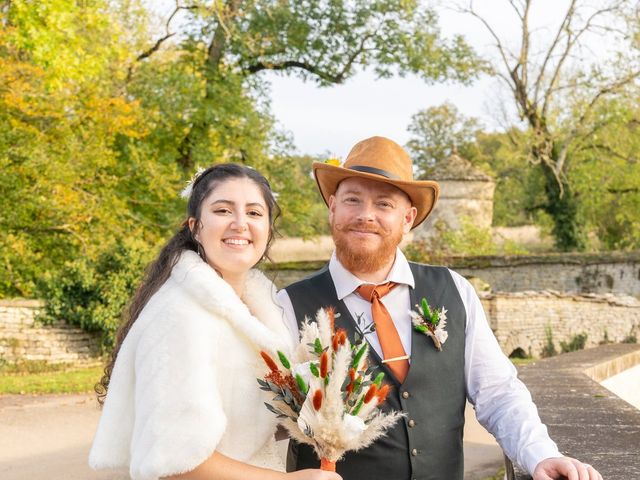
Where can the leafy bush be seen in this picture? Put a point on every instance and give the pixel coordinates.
(549, 349)
(469, 240)
(93, 296)
(577, 343)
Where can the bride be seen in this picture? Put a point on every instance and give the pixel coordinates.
(180, 398)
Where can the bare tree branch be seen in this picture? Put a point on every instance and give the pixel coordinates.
(540, 79)
(331, 78)
(156, 46)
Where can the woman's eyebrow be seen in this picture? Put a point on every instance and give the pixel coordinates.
(230, 202)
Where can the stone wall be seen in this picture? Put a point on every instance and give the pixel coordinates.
(520, 320)
(616, 272)
(21, 338)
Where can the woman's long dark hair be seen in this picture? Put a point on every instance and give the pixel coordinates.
(159, 270)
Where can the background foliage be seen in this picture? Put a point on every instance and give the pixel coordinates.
(105, 112)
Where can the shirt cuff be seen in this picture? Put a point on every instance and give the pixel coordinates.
(537, 452)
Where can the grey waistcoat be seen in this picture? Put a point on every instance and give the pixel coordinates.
(427, 444)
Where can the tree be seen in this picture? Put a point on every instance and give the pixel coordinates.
(319, 40)
(73, 180)
(607, 178)
(558, 88)
(439, 131)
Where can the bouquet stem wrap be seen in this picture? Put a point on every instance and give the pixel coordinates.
(327, 465)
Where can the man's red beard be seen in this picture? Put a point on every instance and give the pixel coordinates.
(356, 259)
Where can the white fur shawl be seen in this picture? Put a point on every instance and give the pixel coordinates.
(184, 383)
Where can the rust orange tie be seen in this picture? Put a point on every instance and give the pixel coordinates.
(387, 334)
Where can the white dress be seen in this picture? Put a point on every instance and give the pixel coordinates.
(184, 382)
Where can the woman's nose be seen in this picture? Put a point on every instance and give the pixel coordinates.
(239, 223)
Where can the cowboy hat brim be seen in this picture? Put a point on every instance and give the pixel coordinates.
(423, 193)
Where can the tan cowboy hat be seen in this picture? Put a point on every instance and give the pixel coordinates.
(383, 160)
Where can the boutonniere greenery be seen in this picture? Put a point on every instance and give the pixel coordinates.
(430, 322)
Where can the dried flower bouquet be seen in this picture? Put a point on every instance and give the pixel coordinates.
(327, 397)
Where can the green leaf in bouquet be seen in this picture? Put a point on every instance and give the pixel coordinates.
(284, 360)
(379, 378)
(421, 328)
(278, 398)
(358, 356)
(304, 388)
(356, 410)
(314, 369)
(317, 347)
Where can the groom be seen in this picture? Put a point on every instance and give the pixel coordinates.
(373, 202)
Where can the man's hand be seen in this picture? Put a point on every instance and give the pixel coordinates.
(565, 467)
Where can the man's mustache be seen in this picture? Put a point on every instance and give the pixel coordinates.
(361, 227)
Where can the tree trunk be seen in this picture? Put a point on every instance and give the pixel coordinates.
(561, 205)
(215, 52)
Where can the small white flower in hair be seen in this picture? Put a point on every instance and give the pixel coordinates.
(186, 192)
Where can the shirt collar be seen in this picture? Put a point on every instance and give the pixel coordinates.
(346, 282)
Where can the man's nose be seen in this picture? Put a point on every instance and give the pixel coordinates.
(366, 212)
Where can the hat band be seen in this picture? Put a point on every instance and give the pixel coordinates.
(376, 171)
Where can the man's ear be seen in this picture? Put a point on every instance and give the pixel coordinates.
(409, 218)
(332, 207)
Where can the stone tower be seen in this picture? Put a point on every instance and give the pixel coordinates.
(464, 191)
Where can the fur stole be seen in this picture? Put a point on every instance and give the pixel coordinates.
(183, 384)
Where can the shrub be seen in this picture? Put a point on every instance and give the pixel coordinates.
(577, 343)
(469, 240)
(549, 349)
(94, 295)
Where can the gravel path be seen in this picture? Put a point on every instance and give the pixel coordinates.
(48, 438)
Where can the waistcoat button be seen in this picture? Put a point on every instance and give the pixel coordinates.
(412, 423)
(414, 452)
(405, 394)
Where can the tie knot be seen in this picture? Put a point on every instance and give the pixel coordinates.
(369, 291)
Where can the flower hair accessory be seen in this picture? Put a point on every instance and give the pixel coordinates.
(186, 192)
(430, 322)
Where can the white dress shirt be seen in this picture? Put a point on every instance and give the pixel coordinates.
(502, 403)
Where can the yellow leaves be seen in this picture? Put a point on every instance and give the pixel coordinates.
(116, 116)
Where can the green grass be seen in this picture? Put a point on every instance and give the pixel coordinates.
(498, 476)
(73, 380)
(522, 361)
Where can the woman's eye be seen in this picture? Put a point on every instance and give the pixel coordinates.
(255, 213)
(222, 211)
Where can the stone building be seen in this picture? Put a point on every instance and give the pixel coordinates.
(465, 191)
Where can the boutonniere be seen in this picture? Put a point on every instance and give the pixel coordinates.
(430, 322)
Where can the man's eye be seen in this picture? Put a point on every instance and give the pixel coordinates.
(351, 199)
